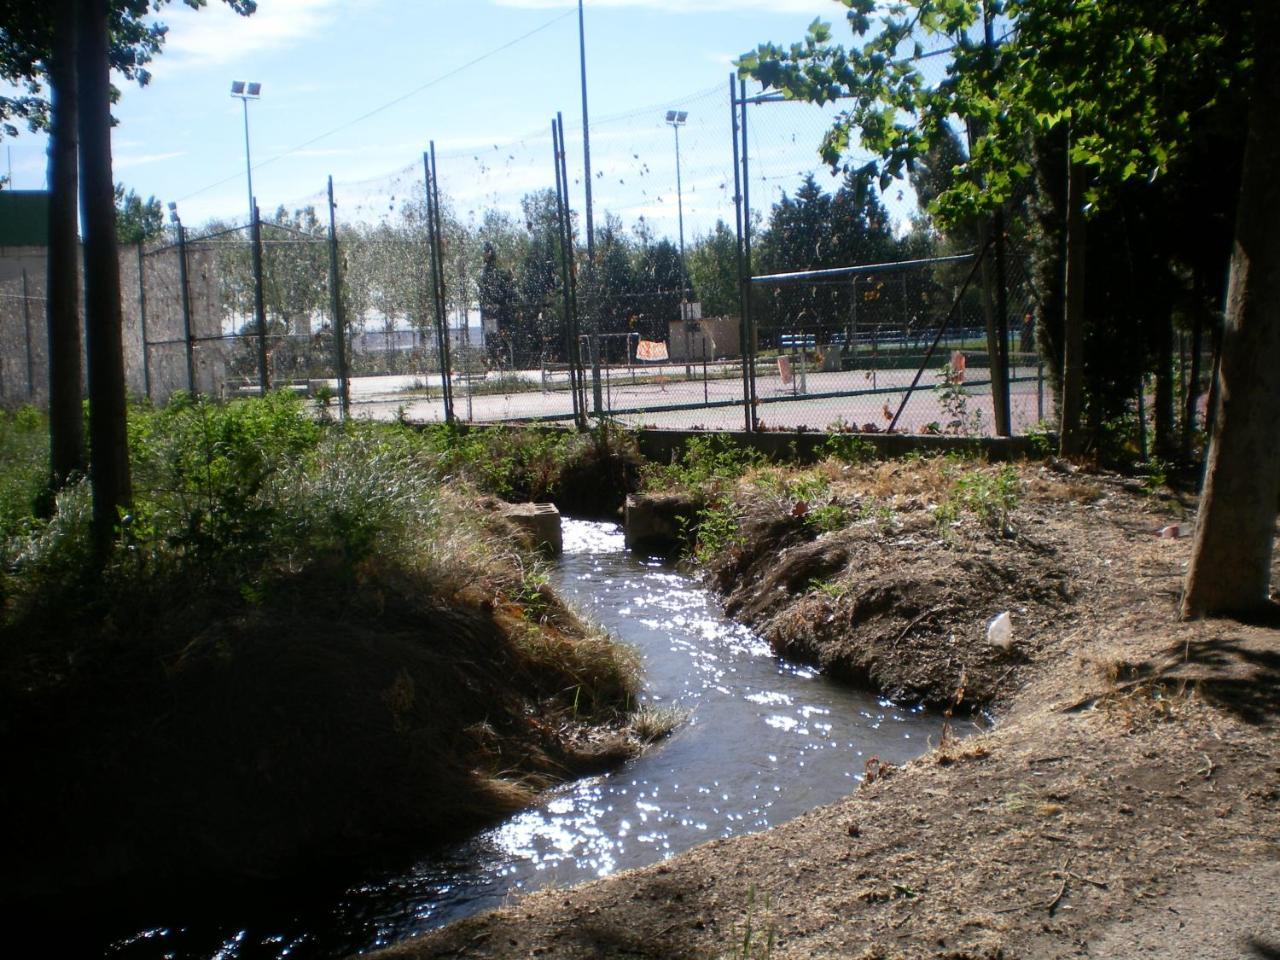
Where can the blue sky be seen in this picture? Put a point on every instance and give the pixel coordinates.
(326, 63)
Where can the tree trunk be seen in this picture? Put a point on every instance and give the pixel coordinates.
(1071, 433)
(1048, 208)
(66, 416)
(108, 442)
(1231, 558)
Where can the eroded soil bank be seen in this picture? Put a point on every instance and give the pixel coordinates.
(1125, 803)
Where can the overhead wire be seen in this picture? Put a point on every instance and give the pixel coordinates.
(390, 103)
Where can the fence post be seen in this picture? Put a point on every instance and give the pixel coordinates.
(572, 294)
(259, 303)
(335, 307)
(571, 343)
(744, 331)
(1000, 364)
(142, 322)
(437, 281)
(26, 320)
(186, 309)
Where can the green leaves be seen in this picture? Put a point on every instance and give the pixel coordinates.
(1129, 77)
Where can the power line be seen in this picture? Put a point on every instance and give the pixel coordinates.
(390, 103)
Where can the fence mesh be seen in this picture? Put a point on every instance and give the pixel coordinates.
(647, 294)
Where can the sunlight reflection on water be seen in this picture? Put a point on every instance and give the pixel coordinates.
(762, 741)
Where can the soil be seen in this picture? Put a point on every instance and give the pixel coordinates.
(1125, 802)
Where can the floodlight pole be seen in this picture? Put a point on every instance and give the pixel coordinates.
(676, 120)
(245, 91)
(586, 134)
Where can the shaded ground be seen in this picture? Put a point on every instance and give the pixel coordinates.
(1125, 804)
(343, 714)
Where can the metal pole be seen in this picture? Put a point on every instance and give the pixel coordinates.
(570, 335)
(955, 304)
(248, 167)
(746, 235)
(744, 291)
(335, 307)
(437, 296)
(439, 228)
(186, 308)
(26, 319)
(586, 135)
(679, 199)
(142, 320)
(1000, 376)
(597, 392)
(259, 303)
(706, 389)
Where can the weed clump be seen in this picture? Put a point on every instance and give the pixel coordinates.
(586, 474)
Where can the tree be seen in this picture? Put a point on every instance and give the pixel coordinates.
(66, 418)
(137, 220)
(1230, 568)
(1134, 82)
(713, 270)
(72, 45)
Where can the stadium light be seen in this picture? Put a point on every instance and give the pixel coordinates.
(247, 90)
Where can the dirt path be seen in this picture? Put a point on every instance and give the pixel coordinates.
(1127, 802)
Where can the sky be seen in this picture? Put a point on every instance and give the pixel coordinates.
(357, 89)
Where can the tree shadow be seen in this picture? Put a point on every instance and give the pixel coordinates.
(1240, 675)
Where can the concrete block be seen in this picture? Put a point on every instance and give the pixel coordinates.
(539, 521)
(658, 522)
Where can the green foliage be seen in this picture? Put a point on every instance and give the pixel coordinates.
(955, 404)
(719, 530)
(710, 460)
(990, 495)
(754, 943)
(1130, 78)
(1155, 475)
(208, 474)
(137, 220)
(831, 589)
(1040, 436)
(847, 448)
(24, 467)
(228, 499)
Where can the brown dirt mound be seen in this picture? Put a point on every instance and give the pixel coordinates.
(894, 601)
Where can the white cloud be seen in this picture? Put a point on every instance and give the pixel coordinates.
(141, 160)
(824, 8)
(216, 35)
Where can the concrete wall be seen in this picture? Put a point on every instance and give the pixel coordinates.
(156, 303)
(720, 337)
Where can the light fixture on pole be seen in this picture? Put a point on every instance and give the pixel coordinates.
(677, 118)
(247, 90)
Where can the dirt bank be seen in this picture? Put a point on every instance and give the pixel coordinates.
(1126, 803)
(338, 716)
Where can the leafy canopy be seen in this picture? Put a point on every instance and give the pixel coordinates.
(26, 39)
(1129, 78)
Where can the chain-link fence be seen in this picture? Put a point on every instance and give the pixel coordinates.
(722, 277)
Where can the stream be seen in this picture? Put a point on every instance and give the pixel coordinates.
(762, 742)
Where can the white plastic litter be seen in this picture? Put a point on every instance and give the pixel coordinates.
(1000, 632)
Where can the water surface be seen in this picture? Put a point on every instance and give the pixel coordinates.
(762, 741)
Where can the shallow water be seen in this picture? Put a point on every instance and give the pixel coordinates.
(763, 741)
